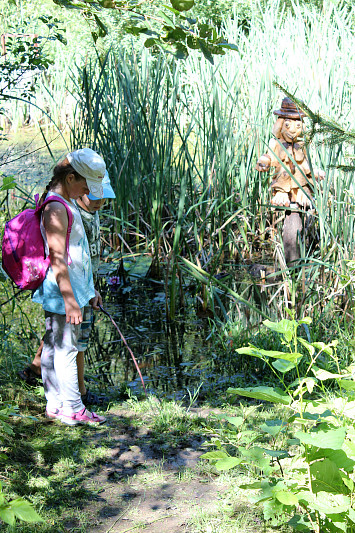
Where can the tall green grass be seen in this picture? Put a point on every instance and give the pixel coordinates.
(181, 140)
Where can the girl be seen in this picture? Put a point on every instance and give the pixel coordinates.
(67, 288)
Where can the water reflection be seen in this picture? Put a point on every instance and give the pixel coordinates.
(171, 356)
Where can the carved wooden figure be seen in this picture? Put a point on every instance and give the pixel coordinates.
(288, 129)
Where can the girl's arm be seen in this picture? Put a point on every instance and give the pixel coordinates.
(55, 221)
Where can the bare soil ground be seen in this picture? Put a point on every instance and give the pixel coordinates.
(148, 485)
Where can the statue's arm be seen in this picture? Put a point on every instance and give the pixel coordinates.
(267, 160)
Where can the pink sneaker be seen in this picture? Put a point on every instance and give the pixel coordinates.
(54, 413)
(82, 417)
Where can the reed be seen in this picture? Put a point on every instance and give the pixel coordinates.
(182, 139)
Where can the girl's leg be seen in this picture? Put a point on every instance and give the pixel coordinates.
(64, 362)
(50, 383)
(80, 365)
(83, 340)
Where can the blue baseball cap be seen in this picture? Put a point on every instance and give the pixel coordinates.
(108, 191)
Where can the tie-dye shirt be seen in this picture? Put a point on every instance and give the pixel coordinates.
(80, 270)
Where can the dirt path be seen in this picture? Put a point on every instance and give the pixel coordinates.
(147, 484)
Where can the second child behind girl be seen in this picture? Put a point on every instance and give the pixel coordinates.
(68, 286)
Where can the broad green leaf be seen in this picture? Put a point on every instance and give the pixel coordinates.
(8, 182)
(25, 511)
(307, 345)
(228, 463)
(251, 486)
(258, 352)
(283, 366)
(309, 382)
(322, 375)
(349, 410)
(182, 5)
(300, 523)
(347, 482)
(305, 320)
(140, 267)
(277, 454)
(347, 384)
(329, 504)
(285, 327)
(326, 477)
(332, 439)
(272, 427)
(217, 454)
(256, 456)
(7, 515)
(338, 457)
(349, 448)
(267, 394)
(205, 50)
(327, 348)
(168, 21)
(148, 43)
(351, 515)
(287, 498)
(236, 421)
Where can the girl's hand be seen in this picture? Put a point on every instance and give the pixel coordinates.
(95, 302)
(73, 313)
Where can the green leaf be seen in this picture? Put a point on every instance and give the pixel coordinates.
(326, 477)
(277, 454)
(101, 26)
(285, 327)
(148, 43)
(305, 320)
(228, 463)
(256, 457)
(267, 394)
(332, 439)
(347, 384)
(322, 375)
(168, 21)
(25, 511)
(217, 454)
(251, 486)
(322, 347)
(307, 345)
(325, 502)
(287, 498)
(182, 5)
(229, 46)
(181, 51)
(258, 352)
(205, 50)
(272, 427)
(8, 182)
(300, 523)
(283, 366)
(338, 457)
(236, 421)
(7, 515)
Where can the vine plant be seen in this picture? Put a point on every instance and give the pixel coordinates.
(305, 459)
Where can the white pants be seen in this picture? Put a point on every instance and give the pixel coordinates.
(59, 366)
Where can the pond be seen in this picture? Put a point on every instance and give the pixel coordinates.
(174, 356)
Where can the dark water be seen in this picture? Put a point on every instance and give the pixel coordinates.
(172, 356)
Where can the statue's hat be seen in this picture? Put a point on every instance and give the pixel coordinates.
(289, 110)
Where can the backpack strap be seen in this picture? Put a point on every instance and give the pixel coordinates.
(69, 213)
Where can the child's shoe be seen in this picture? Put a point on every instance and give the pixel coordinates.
(82, 417)
(54, 413)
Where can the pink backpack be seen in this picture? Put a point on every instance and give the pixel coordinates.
(23, 251)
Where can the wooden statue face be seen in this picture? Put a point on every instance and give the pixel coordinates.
(291, 129)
